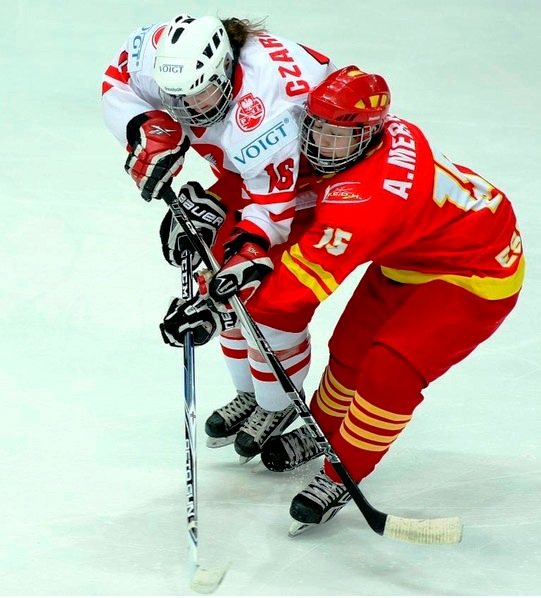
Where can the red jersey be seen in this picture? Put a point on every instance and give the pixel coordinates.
(406, 207)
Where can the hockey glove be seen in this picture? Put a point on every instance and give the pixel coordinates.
(207, 215)
(198, 315)
(157, 145)
(246, 263)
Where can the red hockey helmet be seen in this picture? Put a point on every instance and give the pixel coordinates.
(353, 105)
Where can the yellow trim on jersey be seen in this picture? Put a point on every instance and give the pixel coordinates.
(317, 281)
(485, 287)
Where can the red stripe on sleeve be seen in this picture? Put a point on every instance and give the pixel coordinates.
(114, 73)
(289, 213)
(252, 228)
(321, 58)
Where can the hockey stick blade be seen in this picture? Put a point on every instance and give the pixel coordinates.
(206, 581)
(442, 530)
(418, 531)
(445, 530)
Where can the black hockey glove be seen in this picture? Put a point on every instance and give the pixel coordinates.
(207, 214)
(157, 145)
(196, 314)
(246, 263)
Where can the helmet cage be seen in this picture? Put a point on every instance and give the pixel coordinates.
(185, 108)
(352, 102)
(323, 156)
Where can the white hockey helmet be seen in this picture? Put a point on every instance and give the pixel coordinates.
(193, 69)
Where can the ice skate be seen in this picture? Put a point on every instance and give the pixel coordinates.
(319, 502)
(291, 450)
(259, 427)
(224, 423)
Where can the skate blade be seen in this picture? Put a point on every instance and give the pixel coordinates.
(219, 442)
(243, 460)
(206, 581)
(297, 528)
(259, 467)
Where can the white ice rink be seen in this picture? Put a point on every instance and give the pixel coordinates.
(92, 498)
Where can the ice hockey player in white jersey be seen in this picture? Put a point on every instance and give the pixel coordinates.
(233, 92)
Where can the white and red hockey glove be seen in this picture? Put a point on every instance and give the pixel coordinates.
(206, 213)
(157, 145)
(246, 263)
(198, 315)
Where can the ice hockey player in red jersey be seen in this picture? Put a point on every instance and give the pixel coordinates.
(233, 92)
(445, 269)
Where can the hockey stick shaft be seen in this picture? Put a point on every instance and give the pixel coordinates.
(190, 417)
(435, 531)
(203, 580)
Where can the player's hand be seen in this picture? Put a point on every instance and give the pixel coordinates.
(206, 213)
(156, 145)
(246, 264)
(198, 315)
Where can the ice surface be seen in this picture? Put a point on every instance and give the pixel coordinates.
(91, 441)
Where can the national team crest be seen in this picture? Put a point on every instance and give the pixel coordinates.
(250, 112)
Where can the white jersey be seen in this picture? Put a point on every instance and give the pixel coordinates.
(258, 139)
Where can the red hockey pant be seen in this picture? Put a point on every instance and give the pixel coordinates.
(391, 341)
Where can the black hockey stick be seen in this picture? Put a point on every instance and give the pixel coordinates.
(447, 530)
